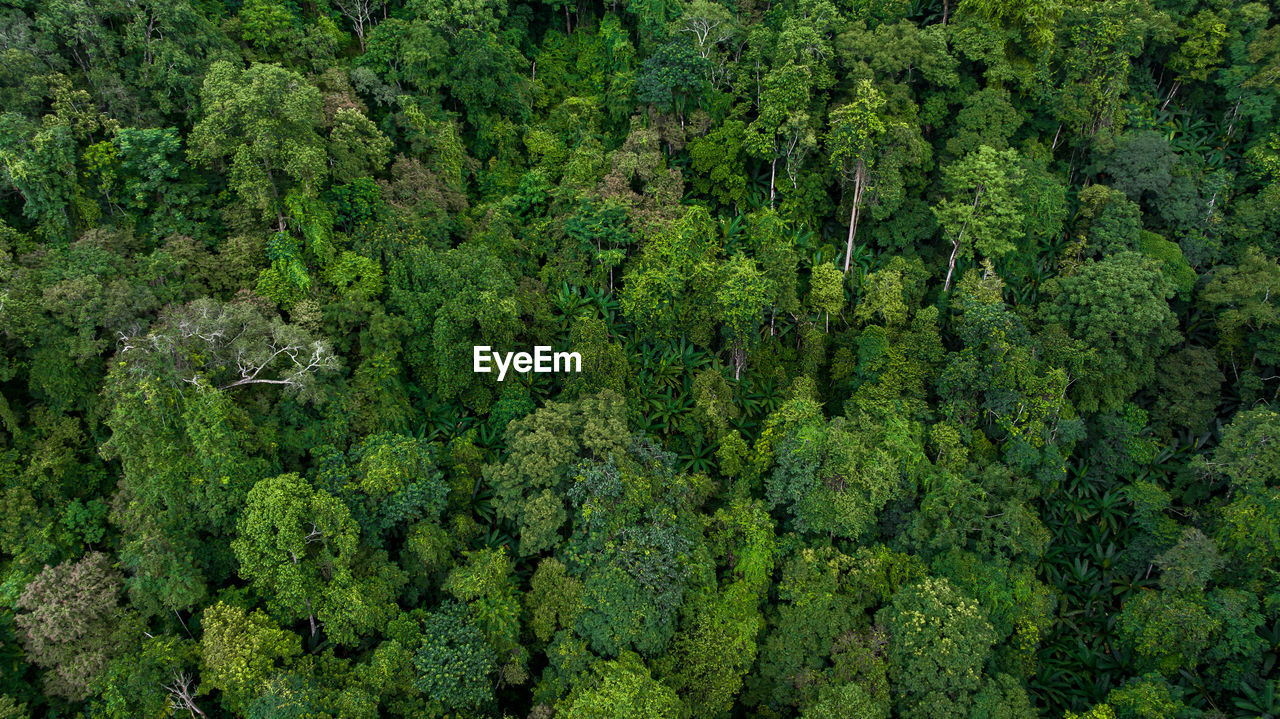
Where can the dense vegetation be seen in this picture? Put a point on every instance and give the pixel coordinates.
(928, 353)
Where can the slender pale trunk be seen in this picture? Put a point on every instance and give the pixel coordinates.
(311, 617)
(955, 244)
(183, 623)
(858, 177)
(773, 173)
(275, 196)
(951, 264)
(1235, 112)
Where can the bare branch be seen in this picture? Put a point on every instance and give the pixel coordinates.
(182, 694)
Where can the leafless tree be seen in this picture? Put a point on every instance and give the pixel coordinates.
(226, 345)
(182, 694)
(361, 13)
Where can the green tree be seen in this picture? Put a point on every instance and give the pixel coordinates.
(1247, 319)
(296, 544)
(672, 76)
(546, 446)
(1110, 222)
(461, 297)
(718, 163)
(454, 664)
(833, 478)
(939, 643)
(716, 647)
(35, 162)
(783, 128)
(997, 380)
(855, 130)
(620, 688)
(826, 292)
(157, 679)
(553, 600)
(1118, 308)
(669, 289)
(982, 210)
(484, 581)
(356, 147)
(1167, 630)
(239, 650)
(72, 623)
(261, 124)
(389, 481)
(1200, 51)
(741, 300)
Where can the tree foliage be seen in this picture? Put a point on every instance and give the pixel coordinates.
(929, 356)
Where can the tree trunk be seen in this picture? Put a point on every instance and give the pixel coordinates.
(1231, 125)
(955, 244)
(951, 264)
(773, 172)
(853, 214)
(311, 617)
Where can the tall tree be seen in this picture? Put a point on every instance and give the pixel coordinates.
(73, 623)
(261, 124)
(297, 545)
(1118, 308)
(982, 209)
(851, 144)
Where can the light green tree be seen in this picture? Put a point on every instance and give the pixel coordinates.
(261, 124)
(670, 289)
(239, 650)
(826, 291)
(1118, 307)
(939, 641)
(619, 689)
(981, 210)
(783, 128)
(852, 141)
(295, 544)
(741, 300)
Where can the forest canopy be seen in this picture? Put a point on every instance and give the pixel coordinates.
(930, 354)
